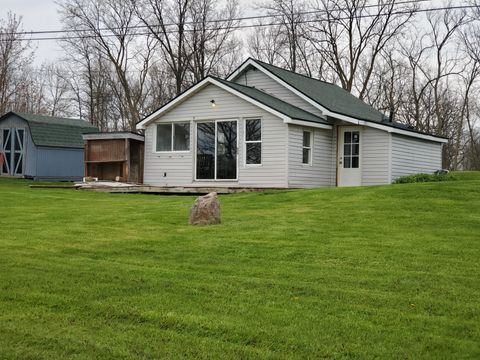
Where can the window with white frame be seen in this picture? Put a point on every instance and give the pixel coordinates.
(173, 137)
(253, 141)
(307, 147)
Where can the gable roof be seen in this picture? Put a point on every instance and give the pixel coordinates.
(331, 99)
(55, 131)
(329, 95)
(289, 113)
(281, 106)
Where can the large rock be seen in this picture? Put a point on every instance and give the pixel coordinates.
(205, 210)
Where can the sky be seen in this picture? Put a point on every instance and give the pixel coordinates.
(36, 15)
(42, 15)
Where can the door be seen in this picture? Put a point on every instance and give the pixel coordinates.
(13, 144)
(216, 150)
(348, 160)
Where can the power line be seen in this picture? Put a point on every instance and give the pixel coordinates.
(257, 17)
(237, 27)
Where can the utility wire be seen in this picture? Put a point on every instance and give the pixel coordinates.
(237, 27)
(257, 17)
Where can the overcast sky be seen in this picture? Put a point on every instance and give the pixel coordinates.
(42, 15)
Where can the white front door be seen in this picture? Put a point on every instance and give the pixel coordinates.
(348, 158)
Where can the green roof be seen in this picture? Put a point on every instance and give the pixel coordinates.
(57, 131)
(330, 96)
(272, 102)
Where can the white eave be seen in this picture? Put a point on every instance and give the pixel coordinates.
(326, 112)
(208, 80)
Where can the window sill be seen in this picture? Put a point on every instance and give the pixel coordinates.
(171, 152)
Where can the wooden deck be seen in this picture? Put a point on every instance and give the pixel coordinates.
(179, 190)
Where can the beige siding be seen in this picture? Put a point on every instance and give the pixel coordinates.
(413, 156)
(259, 80)
(375, 157)
(320, 172)
(179, 167)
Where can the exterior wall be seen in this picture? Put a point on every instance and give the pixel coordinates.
(59, 164)
(375, 156)
(413, 156)
(179, 167)
(321, 172)
(30, 149)
(259, 80)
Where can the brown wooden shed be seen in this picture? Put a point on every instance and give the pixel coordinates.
(114, 156)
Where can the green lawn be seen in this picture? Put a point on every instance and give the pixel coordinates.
(375, 272)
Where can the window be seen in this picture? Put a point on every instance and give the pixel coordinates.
(307, 148)
(173, 137)
(351, 149)
(253, 142)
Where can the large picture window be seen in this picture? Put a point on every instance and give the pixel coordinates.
(253, 141)
(173, 137)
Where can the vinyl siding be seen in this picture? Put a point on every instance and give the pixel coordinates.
(412, 156)
(59, 164)
(319, 174)
(179, 168)
(375, 156)
(30, 149)
(259, 80)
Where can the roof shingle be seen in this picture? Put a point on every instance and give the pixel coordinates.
(56, 131)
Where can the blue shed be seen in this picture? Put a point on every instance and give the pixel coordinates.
(42, 147)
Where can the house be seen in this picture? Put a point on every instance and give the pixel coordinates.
(42, 147)
(268, 127)
(114, 156)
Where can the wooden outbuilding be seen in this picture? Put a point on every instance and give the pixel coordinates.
(115, 156)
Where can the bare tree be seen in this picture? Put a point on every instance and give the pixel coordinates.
(266, 43)
(111, 25)
(290, 15)
(15, 56)
(211, 39)
(351, 34)
(166, 21)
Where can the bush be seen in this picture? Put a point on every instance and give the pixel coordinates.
(418, 178)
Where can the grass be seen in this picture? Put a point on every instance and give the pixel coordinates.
(374, 272)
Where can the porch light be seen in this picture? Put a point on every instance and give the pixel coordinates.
(213, 103)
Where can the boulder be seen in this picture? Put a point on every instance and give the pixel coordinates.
(205, 210)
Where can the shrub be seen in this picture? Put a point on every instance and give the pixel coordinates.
(417, 178)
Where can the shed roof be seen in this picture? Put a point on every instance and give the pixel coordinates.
(53, 131)
(275, 103)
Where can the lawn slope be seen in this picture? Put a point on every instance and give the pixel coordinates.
(386, 272)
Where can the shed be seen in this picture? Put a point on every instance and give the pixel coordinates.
(42, 147)
(114, 156)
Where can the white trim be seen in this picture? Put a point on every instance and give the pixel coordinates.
(390, 156)
(310, 153)
(172, 151)
(215, 180)
(108, 136)
(141, 125)
(308, 124)
(245, 142)
(277, 79)
(326, 112)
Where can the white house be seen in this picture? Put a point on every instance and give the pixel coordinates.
(268, 127)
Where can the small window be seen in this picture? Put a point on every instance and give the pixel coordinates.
(173, 137)
(253, 142)
(307, 148)
(351, 150)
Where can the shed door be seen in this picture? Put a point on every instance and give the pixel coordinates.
(13, 154)
(348, 159)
